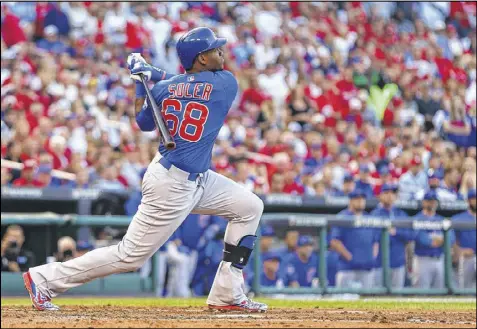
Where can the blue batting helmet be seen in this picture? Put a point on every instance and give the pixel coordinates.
(197, 41)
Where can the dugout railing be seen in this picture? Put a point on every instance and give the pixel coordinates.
(11, 283)
(321, 223)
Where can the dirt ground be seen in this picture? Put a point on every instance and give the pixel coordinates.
(195, 317)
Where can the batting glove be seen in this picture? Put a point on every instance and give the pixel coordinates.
(137, 66)
(133, 60)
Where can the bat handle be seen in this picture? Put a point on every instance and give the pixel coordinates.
(170, 145)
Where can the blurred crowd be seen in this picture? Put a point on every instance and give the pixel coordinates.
(332, 96)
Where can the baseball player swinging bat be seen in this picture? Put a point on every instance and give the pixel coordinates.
(177, 182)
(158, 119)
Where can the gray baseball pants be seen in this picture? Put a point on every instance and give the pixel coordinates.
(430, 272)
(355, 279)
(168, 197)
(398, 277)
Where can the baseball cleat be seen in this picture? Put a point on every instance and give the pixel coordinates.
(39, 300)
(247, 305)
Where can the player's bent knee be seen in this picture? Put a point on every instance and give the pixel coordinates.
(255, 206)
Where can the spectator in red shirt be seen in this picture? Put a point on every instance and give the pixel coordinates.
(272, 144)
(27, 176)
(12, 33)
(57, 148)
(136, 33)
(253, 95)
(291, 185)
(31, 149)
(33, 116)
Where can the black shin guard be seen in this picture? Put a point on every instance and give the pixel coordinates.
(239, 255)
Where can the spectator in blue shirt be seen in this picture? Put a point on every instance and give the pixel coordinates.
(348, 186)
(82, 247)
(363, 182)
(316, 159)
(134, 200)
(191, 233)
(286, 252)
(51, 42)
(357, 247)
(434, 180)
(447, 191)
(302, 267)
(82, 181)
(208, 263)
(472, 140)
(428, 249)
(44, 175)
(269, 276)
(58, 19)
(466, 243)
(332, 259)
(399, 238)
(413, 181)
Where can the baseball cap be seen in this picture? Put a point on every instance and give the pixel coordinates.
(84, 245)
(348, 178)
(384, 170)
(430, 195)
(316, 146)
(267, 231)
(271, 256)
(471, 194)
(357, 193)
(389, 188)
(45, 168)
(364, 168)
(305, 240)
(434, 174)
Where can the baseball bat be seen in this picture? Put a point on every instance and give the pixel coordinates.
(158, 119)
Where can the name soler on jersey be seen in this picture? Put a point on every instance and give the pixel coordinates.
(185, 90)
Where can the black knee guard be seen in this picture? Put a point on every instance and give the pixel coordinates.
(239, 255)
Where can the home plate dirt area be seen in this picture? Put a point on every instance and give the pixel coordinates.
(78, 313)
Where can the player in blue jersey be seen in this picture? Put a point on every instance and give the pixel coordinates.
(269, 276)
(177, 182)
(466, 242)
(358, 247)
(266, 240)
(399, 238)
(302, 266)
(428, 251)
